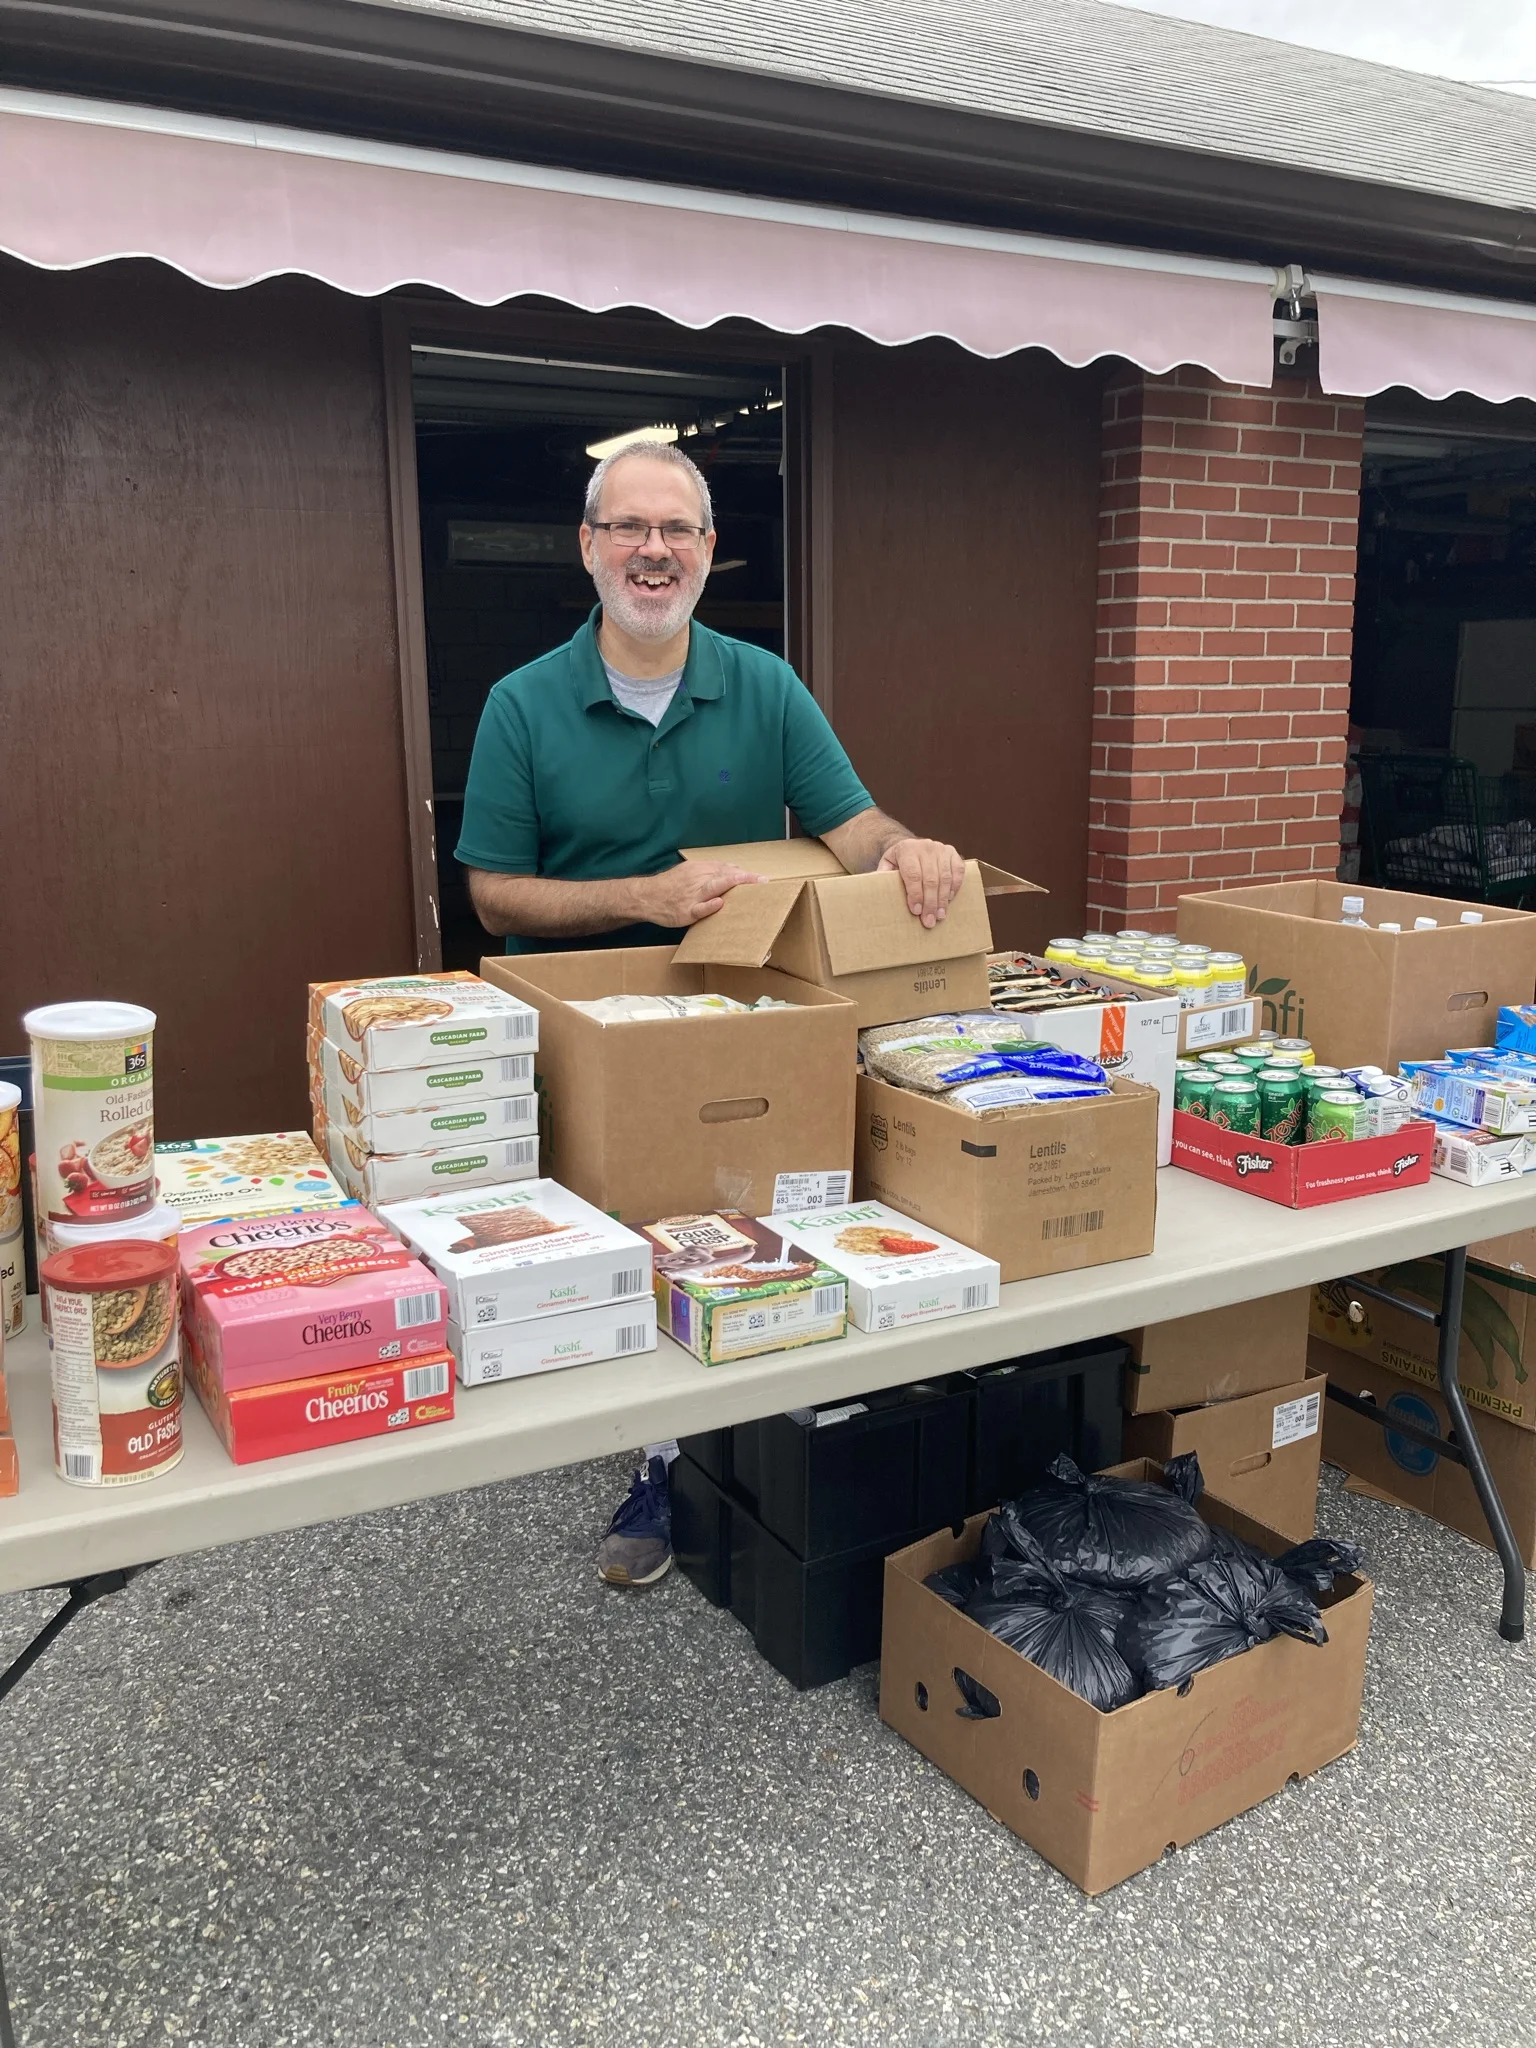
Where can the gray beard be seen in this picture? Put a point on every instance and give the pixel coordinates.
(648, 624)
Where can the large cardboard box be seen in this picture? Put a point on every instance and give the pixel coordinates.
(1102, 1796)
(1044, 1189)
(1497, 1360)
(1413, 1473)
(1261, 1452)
(851, 933)
(687, 1113)
(1220, 1355)
(1138, 1039)
(1369, 995)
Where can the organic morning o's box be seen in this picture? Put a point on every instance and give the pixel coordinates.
(898, 1271)
(728, 1287)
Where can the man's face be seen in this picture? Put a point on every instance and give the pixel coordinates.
(648, 591)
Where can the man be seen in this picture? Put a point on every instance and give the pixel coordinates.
(646, 733)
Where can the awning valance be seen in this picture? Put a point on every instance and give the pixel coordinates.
(230, 202)
(1373, 336)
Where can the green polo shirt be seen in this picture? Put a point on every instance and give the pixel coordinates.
(565, 782)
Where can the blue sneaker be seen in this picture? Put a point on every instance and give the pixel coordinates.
(637, 1550)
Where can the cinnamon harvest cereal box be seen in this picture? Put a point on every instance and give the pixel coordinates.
(418, 1020)
(270, 1173)
(535, 1249)
(898, 1271)
(728, 1287)
(280, 1297)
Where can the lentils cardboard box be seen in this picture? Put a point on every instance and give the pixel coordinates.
(677, 1114)
(1102, 1796)
(1261, 1452)
(1042, 1189)
(1415, 1473)
(1219, 1355)
(1370, 995)
(851, 933)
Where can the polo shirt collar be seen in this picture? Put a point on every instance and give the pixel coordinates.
(703, 671)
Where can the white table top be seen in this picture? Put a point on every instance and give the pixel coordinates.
(1214, 1246)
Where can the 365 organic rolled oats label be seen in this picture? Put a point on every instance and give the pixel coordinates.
(93, 1106)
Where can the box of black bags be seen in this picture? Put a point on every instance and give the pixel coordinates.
(1103, 1795)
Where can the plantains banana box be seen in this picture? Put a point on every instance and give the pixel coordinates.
(1498, 1332)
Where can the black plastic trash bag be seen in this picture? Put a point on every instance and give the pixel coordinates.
(1120, 1533)
(980, 1705)
(1219, 1607)
(955, 1583)
(1065, 1626)
(1318, 1562)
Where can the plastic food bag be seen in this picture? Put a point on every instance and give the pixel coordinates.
(1066, 1627)
(955, 1583)
(1217, 1608)
(1120, 1533)
(1316, 1564)
(980, 1705)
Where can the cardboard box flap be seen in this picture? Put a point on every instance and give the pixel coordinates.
(742, 931)
(998, 882)
(867, 923)
(775, 859)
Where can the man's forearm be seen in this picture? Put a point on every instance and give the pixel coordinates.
(860, 842)
(534, 907)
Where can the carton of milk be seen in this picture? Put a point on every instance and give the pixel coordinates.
(898, 1271)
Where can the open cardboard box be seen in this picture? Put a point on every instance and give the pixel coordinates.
(852, 934)
(1260, 1453)
(1102, 1796)
(1303, 1176)
(1043, 1189)
(1369, 995)
(683, 1114)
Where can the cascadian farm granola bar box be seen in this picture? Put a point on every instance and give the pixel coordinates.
(418, 1020)
(728, 1287)
(378, 1178)
(267, 1173)
(898, 1271)
(352, 1094)
(510, 1253)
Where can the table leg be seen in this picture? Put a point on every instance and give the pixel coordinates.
(7, 2031)
(1512, 1614)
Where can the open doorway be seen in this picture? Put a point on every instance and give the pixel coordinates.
(1443, 690)
(505, 443)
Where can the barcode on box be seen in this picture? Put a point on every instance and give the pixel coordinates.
(423, 1381)
(1234, 1021)
(523, 1152)
(1071, 1226)
(80, 1465)
(828, 1301)
(524, 1026)
(633, 1337)
(412, 1310)
(630, 1281)
(974, 1297)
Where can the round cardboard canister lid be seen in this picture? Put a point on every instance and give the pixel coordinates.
(88, 1021)
(10, 1095)
(98, 1268)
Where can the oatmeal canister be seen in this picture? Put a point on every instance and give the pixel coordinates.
(93, 1110)
(115, 1361)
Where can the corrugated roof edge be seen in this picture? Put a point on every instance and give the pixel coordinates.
(359, 67)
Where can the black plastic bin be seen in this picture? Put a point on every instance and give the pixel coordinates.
(1027, 1410)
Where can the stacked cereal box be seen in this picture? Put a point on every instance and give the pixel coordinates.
(535, 1278)
(422, 1081)
(109, 1270)
(13, 1266)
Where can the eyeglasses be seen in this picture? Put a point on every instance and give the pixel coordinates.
(634, 533)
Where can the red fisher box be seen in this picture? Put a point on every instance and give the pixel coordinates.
(1304, 1176)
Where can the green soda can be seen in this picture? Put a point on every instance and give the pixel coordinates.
(1319, 1078)
(1235, 1106)
(1333, 1117)
(1192, 1090)
(1254, 1057)
(1223, 1059)
(1282, 1106)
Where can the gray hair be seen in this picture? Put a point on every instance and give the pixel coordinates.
(655, 451)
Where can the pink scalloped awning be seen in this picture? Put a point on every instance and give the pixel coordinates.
(1374, 336)
(84, 182)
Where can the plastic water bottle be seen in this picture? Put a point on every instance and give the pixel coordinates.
(1389, 927)
(1426, 924)
(1354, 910)
(1471, 917)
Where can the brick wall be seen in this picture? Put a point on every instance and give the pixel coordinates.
(1228, 532)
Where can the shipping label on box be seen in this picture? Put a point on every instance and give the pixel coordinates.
(583, 1336)
(898, 1272)
(507, 1254)
(267, 1173)
(360, 1094)
(417, 1020)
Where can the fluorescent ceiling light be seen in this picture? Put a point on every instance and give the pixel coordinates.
(636, 438)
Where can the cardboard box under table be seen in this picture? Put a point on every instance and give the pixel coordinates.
(1044, 1188)
(1368, 996)
(687, 1113)
(1102, 1796)
(1261, 1453)
(1413, 1473)
(851, 933)
(1219, 1355)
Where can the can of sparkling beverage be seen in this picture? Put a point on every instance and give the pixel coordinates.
(1282, 1106)
(1223, 1058)
(1192, 1091)
(1235, 1106)
(1301, 1045)
(1336, 1115)
(1253, 1057)
(1229, 978)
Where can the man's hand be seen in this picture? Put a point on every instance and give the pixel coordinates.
(694, 889)
(932, 873)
